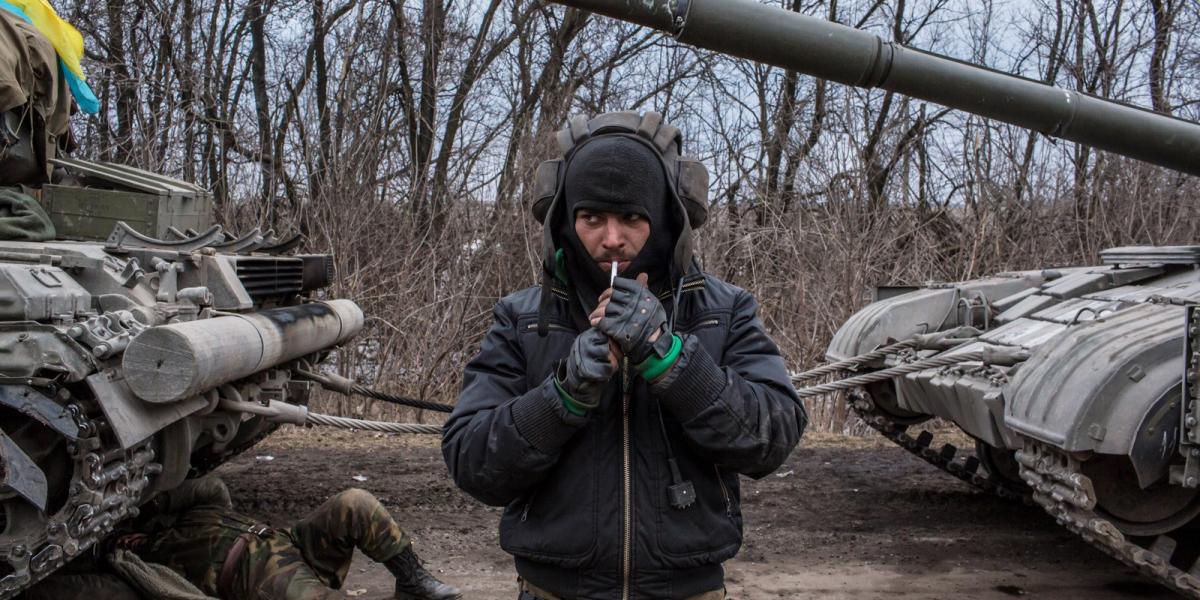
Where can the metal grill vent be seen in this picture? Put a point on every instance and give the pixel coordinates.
(270, 277)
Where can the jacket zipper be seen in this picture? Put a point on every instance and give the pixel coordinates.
(533, 326)
(528, 505)
(627, 541)
(708, 323)
(724, 492)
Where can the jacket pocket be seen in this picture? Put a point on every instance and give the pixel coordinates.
(702, 324)
(551, 326)
(713, 319)
(556, 522)
(708, 531)
(540, 353)
(711, 328)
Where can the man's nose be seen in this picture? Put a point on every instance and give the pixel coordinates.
(612, 237)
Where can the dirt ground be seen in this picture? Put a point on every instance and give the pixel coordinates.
(843, 518)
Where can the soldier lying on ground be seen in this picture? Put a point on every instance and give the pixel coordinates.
(194, 530)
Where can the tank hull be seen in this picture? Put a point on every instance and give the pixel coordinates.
(1092, 414)
(95, 417)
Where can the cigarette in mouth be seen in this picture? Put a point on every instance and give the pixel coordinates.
(613, 276)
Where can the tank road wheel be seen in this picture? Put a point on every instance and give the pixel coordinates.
(1157, 510)
(883, 396)
(1160, 508)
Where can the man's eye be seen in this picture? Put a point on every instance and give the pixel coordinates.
(633, 218)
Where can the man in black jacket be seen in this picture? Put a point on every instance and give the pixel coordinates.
(611, 417)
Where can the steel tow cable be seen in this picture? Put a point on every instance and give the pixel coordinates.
(874, 376)
(348, 387)
(853, 363)
(380, 426)
(342, 385)
(943, 339)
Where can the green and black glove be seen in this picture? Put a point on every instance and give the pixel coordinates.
(583, 375)
(632, 317)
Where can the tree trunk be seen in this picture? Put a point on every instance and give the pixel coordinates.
(122, 81)
(256, 17)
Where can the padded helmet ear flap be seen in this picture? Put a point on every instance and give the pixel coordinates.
(692, 183)
(688, 175)
(570, 136)
(545, 186)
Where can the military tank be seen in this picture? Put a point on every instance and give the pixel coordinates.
(1080, 386)
(140, 344)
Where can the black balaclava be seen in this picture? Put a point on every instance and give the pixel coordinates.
(619, 174)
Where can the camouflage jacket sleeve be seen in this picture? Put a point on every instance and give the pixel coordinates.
(740, 410)
(503, 437)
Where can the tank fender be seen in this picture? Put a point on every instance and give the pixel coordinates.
(40, 293)
(39, 407)
(1106, 386)
(21, 474)
(132, 420)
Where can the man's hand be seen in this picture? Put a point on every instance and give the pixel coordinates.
(603, 303)
(615, 354)
(633, 318)
(587, 369)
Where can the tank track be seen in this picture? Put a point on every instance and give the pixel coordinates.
(962, 464)
(1061, 488)
(105, 488)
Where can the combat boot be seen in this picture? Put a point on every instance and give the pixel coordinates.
(413, 582)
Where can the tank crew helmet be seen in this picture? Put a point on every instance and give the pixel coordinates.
(618, 162)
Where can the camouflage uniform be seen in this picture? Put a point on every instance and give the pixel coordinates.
(195, 528)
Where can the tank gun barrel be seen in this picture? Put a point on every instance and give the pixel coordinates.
(773, 35)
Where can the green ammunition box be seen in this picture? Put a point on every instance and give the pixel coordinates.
(147, 202)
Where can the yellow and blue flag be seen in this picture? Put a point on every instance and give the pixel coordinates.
(67, 42)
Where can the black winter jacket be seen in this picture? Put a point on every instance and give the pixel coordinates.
(587, 512)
